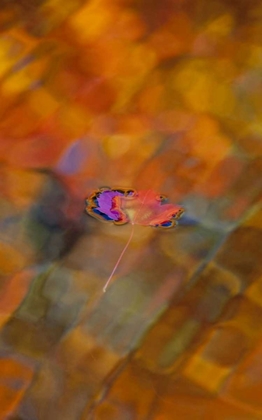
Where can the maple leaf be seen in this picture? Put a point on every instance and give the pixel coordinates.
(125, 205)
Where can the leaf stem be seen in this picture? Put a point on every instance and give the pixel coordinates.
(119, 258)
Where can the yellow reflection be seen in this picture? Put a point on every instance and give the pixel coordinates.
(208, 375)
(116, 146)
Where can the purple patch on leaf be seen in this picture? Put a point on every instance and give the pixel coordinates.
(104, 204)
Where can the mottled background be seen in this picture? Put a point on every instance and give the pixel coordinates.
(138, 93)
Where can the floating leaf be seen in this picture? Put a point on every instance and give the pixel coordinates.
(125, 205)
